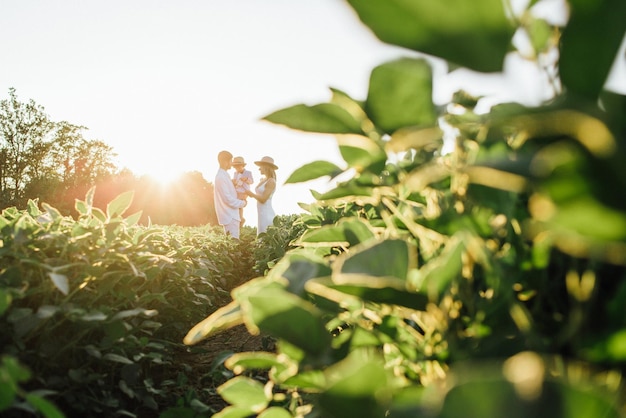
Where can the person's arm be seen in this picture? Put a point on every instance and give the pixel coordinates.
(227, 190)
(267, 191)
(248, 177)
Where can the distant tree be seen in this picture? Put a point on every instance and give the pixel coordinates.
(48, 160)
(24, 132)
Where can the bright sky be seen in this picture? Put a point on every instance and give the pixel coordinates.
(168, 84)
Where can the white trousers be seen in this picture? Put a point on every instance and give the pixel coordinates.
(232, 229)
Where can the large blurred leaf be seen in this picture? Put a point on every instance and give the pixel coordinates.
(400, 95)
(389, 258)
(286, 316)
(226, 317)
(348, 231)
(367, 288)
(244, 392)
(324, 118)
(474, 34)
(589, 44)
(362, 153)
(358, 387)
(313, 171)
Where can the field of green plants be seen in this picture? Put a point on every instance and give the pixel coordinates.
(94, 309)
(486, 281)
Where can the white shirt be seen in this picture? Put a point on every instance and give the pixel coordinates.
(225, 197)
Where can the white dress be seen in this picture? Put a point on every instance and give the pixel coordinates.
(265, 210)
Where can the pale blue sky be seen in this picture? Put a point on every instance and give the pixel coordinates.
(170, 83)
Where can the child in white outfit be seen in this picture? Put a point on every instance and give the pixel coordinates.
(242, 179)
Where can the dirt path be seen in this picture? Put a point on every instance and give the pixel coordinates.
(204, 359)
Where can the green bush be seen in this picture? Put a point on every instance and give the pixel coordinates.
(96, 308)
(487, 281)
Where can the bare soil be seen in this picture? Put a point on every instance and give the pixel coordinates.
(206, 360)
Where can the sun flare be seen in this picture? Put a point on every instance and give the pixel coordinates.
(165, 177)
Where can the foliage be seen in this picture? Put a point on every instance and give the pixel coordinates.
(272, 245)
(45, 159)
(486, 281)
(96, 307)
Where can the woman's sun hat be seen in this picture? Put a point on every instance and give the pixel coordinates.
(268, 161)
(238, 161)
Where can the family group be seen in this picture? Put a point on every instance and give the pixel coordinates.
(231, 193)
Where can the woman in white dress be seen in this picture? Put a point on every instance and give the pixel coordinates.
(263, 193)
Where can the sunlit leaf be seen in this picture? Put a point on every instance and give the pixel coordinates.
(234, 412)
(60, 282)
(284, 315)
(400, 95)
(312, 380)
(275, 412)
(244, 392)
(81, 207)
(415, 138)
(344, 191)
(323, 118)
(474, 34)
(120, 204)
(225, 317)
(240, 362)
(362, 153)
(347, 231)
(314, 171)
(134, 218)
(388, 258)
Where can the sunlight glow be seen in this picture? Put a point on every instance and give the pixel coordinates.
(165, 176)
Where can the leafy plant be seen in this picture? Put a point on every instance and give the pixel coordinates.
(96, 307)
(478, 282)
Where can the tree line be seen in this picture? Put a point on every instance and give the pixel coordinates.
(54, 163)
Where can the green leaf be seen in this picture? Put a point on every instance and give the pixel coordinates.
(541, 34)
(346, 191)
(415, 138)
(275, 412)
(388, 258)
(475, 34)
(5, 301)
(284, 315)
(120, 204)
(47, 408)
(323, 118)
(400, 95)
(81, 207)
(589, 45)
(234, 412)
(308, 380)
(359, 386)
(313, 171)
(244, 392)
(225, 317)
(362, 153)
(60, 282)
(134, 218)
(117, 358)
(257, 360)
(438, 273)
(347, 231)
(589, 218)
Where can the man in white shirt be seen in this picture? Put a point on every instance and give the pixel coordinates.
(225, 196)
